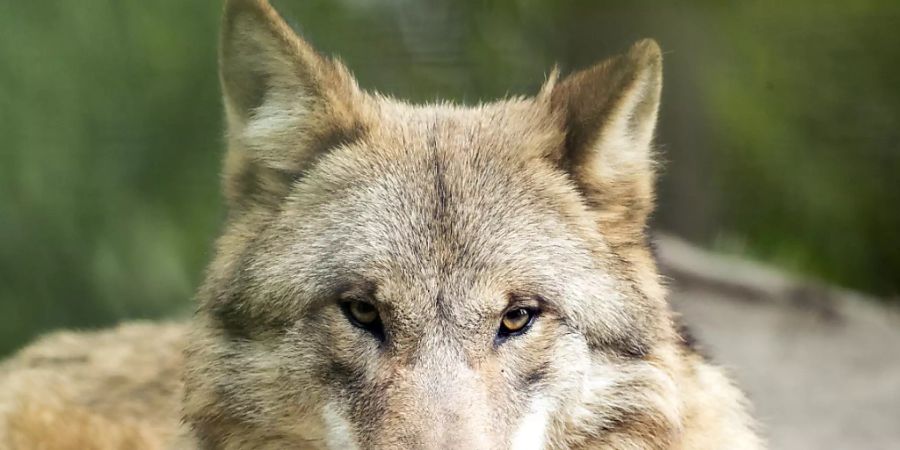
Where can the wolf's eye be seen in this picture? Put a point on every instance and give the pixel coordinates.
(362, 312)
(516, 321)
(363, 315)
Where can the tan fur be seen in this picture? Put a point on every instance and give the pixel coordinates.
(442, 217)
(115, 389)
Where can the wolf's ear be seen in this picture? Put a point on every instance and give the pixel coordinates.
(609, 115)
(284, 103)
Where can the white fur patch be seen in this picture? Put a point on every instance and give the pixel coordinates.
(338, 432)
(532, 431)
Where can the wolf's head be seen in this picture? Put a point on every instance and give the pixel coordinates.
(429, 276)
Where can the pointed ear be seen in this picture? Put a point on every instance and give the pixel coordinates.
(284, 103)
(609, 115)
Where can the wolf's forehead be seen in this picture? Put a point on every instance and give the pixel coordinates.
(518, 126)
(439, 211)
(447, 198)
(439, 190)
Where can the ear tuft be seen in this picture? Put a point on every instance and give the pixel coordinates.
(260, 56)
(549, 85)
(252, 38)
(284, 103)
(608, 113)
(646, 53)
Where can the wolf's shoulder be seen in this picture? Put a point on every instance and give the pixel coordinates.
(114, 388)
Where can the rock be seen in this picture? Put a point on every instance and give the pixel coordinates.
(820, 364)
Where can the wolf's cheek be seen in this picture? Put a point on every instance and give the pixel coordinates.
(544, 378)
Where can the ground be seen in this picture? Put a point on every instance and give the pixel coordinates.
(821, 365)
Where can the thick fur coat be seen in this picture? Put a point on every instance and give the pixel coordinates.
(372, 257)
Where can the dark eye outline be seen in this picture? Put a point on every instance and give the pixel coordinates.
(375, 327)
(504, 333)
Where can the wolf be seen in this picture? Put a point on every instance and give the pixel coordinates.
(403, 276)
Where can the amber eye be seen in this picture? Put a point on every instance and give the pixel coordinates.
(364, 315)
(362, 312)
(516, 321)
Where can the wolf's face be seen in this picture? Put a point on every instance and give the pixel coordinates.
(397, 276)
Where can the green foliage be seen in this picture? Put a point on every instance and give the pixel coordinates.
(807, 140)
(779, 127)
(110, 146)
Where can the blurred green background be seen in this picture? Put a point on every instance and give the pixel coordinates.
(779, 130)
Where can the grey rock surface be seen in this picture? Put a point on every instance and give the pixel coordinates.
(821, 365)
